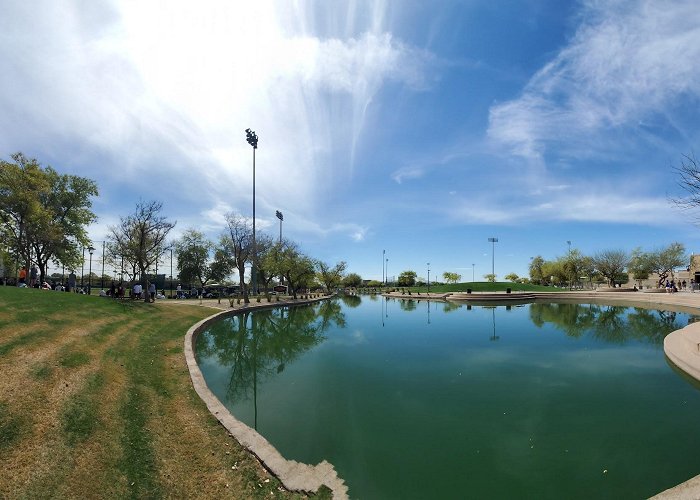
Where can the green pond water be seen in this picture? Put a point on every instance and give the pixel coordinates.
(413, 399)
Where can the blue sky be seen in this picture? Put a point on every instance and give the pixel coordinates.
(419, 128)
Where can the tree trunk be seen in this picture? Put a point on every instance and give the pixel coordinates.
(241, 282)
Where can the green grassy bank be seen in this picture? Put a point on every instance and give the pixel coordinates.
(96, 402)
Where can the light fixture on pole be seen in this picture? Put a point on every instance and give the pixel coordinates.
(472, 273)
(252, 139)
(90, 249)
(428, 277)
(279, 215)
(103, 264)
(171, 272)
(82, 270)
(493, 257)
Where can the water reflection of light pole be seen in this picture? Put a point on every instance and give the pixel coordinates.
(252, 139)
(90, 249)
(493, 317)
(493, 256)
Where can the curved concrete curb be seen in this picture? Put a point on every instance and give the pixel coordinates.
(295, 476)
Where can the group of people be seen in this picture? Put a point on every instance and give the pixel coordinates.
(671, 286)
(137, 292)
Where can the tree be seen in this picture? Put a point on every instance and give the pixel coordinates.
(238, 242)
(451, 277)
(266, 269)
(222, 265)
(407, 278)
(689, 173)
(192, 251)
(491, 278)
(43, 214)
(331, 277)
(665, 260)
(512, 277)
(536, 271)
(352, 280)
(640, 264)
(297, 268)
(140, 237)
(610, 263)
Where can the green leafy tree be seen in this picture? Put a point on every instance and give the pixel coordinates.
(451, 277)
(352, 280)
(491, 278)
(222, 266)
(610, 264)
(512, 277)
(665, 260)
(265, 248)
(407, 278)
(192, 251)
(297, 268)
(43, 214)
(331, 277)
(536, 271)
(641, 265)
(140, 238)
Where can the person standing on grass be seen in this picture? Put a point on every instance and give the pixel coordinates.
(152, 291)
(33, 273)
(71, 281)
(23, 275)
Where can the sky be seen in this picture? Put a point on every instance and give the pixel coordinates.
(404, 130)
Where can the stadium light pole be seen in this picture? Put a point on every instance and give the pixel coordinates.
(493, 257)
(103, 264)
(90, 249)
(473, 273)
(280, 216)
(386, 273)
(428, 277)
(252, 139)
(383, 268)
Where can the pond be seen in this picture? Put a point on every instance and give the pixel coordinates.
(412, 399)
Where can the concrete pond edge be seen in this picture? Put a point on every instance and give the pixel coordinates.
(681, 347)
(295, 476)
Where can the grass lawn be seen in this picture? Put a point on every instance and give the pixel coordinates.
(481, 286)
(96, 402)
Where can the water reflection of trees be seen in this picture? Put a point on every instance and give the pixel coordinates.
(614, 324)
(351, 300)
(407, 304)
(260, 344)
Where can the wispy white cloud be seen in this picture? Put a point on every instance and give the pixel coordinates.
(629, 60)
(405, 173)
(584, 206)
(155, 102)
